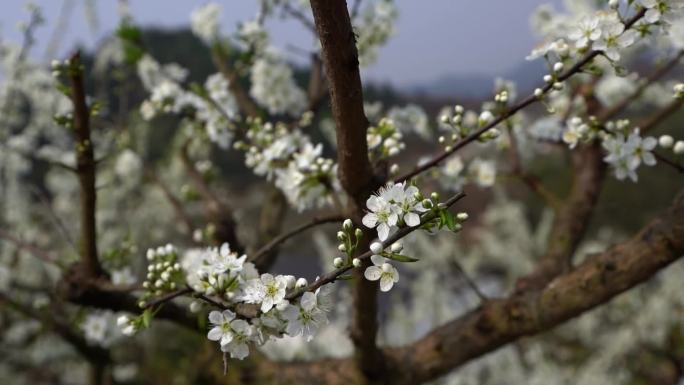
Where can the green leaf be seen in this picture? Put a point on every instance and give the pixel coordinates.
(400, 258)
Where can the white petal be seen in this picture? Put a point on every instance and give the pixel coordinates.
(377, 260)
(266, 304)
(228, 315)
(370, 220)
(372, 273)
(374, 203)
(308, 301)
(215, 317)
(239, 351)
(412, 219)
(383, 231)
(386, 283)
(215, 334)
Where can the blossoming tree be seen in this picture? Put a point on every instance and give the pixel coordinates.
(209, 280)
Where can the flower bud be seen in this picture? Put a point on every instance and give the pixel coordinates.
(557, 86)
(338, 262)
(458, 109)
(434, 196)
(376, 247)
(679, 147)
(122, 320)
(665, 141)
(462, 216)
(356, 262)
(195, 306)
(341, 236)
(558, 67)
(397, 247)
(301, 282)
(548, 78)
(538, 92)
(347, 224)
(342, 247)
(358, 233)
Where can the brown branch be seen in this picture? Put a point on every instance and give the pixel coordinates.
(399, 234)
(85, 166)
(573, 214)
(29, 247)
(176, 204)
(91, 353)
(277, 241)
(661, 158)
(654, 77)
(218, 213)
(245, 102)
(592, 283)
(530, 180)
(531, 99)
(654, 120)
(341, 63)
(499, 322)
(271, 217)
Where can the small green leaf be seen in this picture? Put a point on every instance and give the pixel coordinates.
(400, 257)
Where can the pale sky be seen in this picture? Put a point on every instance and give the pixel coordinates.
(434, 37)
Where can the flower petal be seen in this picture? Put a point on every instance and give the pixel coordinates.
(372, 273)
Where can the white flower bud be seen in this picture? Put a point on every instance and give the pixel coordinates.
(434, 196)
(548, 78)
(538, 92)
(128, 330)
(462, 216)
(195, 306)
(376, 247)
(458, 109)
(291, 281)
(665, 141)
(342, 247)
(557, 86)
(558, 67)
(356, 262)
(347, 224)
(679, 147)
(397, 247)
(613, 3)
(394, 168)
(301, 282)
(338, 262)
(122, 320)
(358, 233)
(341, 236)
(444, 119)
(150, 254)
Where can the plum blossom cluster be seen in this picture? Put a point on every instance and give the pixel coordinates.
(384, 140)
(213, 106)
(373, 28)
(459, 123)
(394, 206)
(225, 280)
(163, 273)
(454, 173)
(274, 87)
(287, 156)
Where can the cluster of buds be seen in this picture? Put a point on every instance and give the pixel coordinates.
(667, 142)
(349, 238)
(441, 216)
(384, 140)
(164, 273)
(462, 124)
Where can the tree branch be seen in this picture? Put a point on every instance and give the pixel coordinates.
(85, 166)
(340, 59)
(511, 111)
(277, 241)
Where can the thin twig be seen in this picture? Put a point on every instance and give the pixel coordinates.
(511, 111)
(669, 162)
(29, 247)
(401, 233)
(297, 230)
(468, 280)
